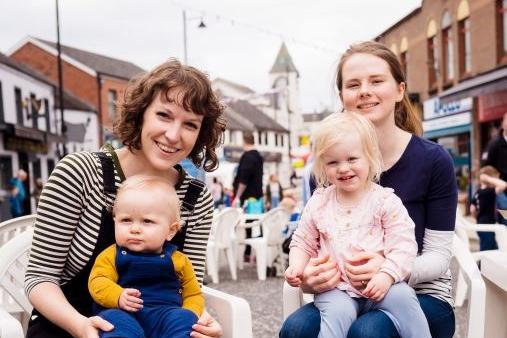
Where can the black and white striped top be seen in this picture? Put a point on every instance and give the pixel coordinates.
(69, 216)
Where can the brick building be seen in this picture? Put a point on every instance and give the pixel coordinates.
(454, 53)
(96, 79)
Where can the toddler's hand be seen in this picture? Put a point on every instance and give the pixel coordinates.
(130, 300)
(378, 286)
(293, 276)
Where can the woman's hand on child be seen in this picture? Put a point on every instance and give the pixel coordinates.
(378, 286)
(321, 274)
(293, 276)
(90, 327)
(206, 327)
(130, 300)
(362, 267)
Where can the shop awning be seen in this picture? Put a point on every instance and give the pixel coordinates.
(447, 131)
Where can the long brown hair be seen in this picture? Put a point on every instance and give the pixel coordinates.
(197, 96)
(405, 115)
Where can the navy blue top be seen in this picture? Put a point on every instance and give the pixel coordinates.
(485, 201)
(424, 179)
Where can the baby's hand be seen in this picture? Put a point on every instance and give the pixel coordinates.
(130, 300)
(293, 276)
(378, 286)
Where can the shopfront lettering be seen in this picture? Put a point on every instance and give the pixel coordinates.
(434, 108)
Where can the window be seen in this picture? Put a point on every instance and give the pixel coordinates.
(501, 24)
(34, 111)
(259, 138)
(447, 48)
(46, 115)
(19, 105)
(111, 103)
(403, 62)
(465, 47)
(5, 171)
(266, 138)
(276, 140)
(432, 62)
(51, 166)
(2, 116)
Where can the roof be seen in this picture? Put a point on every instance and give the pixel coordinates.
(100, 63)
(237, 122)
(316, 117)
(283, 62)
(253, 114)
(70, 101)
(235, 85)
(4, 59)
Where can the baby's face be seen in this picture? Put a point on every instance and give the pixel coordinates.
(143, 220)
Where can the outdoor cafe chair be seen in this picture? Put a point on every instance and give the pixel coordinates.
(233, 313)
(269, 246)
(14, 227)
(223, 239)
(293, 298)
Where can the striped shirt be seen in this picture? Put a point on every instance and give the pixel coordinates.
(69, 219)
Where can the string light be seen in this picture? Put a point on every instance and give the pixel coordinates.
(237, 23)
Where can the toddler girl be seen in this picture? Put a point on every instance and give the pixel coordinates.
(350, 213)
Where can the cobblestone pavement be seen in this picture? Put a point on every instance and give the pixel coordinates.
(265, 299)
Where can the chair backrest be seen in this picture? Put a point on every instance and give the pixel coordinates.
(13, 262)
(225, 222)
(13, 227)
(273, 223)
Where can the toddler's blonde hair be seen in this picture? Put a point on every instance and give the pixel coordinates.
(151, 183)
(333, 130)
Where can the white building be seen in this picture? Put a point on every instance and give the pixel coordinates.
(30, 132)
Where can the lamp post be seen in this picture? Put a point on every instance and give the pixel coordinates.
(60, 81)
(201, 25)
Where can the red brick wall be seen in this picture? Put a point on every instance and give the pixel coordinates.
(76, 81)
(109, 83)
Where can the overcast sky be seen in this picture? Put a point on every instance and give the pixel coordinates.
(239, 43)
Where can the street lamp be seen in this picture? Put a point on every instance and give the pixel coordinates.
(201, 25)
(60, 81)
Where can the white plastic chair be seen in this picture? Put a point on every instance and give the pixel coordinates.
(13, 227)
(233, 313)
(293, 298)
(269, 246)
(223, 238)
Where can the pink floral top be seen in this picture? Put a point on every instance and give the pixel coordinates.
(378, 223)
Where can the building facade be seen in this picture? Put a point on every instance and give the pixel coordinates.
(454, 53)
(98, 80)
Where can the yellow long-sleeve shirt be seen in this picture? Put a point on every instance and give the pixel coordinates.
(104, 288)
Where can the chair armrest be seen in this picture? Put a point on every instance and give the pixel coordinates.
(500, 231)
(233, 313)
(293, 299)
(9, 326)
(476, 292)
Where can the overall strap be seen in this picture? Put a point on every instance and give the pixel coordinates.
(194, 189)
(107, 172)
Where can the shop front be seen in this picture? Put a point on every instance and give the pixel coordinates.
(450, 125)
(491, 108)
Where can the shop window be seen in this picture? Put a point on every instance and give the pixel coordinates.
(111, 103)
(19, 105)
(465, 47)
(5, 171)
(447, 48)
(432, 62)
(501, 27)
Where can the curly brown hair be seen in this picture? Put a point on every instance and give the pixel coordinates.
(198, 97)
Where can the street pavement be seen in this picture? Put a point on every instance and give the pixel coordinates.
(265, 299)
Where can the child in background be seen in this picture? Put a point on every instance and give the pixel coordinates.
(147, 287)
(350, 213)
(483, 205)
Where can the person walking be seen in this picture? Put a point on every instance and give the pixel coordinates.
(247, 183)
(18, 193)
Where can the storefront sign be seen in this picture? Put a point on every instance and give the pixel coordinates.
(492, 106)
(448, 121)
(24, 145)
(433, 108)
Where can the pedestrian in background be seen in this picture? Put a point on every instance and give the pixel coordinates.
(217, 191)
(18, 193)
(274, 192)
(247, 184)
(497, 158)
